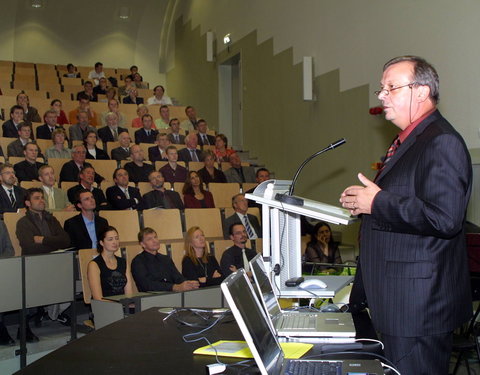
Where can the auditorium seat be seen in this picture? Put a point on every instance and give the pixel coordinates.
(223, 192)
(104, 168)
(127, 224)
(209, 219)
(246, 186)
(166, 222)
(10, 219)
(30, 184)
(62, 216)
(177, 254)
(57, 164)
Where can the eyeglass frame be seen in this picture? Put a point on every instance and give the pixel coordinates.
(387, 91)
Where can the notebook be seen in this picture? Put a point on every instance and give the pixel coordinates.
(264, 345)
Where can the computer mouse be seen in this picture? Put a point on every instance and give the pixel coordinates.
(313, 284)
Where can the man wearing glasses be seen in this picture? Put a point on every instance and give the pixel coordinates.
(413, 272)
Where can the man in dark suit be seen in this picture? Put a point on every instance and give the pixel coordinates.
(27, 170)
(159, 151)
(12, 197)
(252, 226)
(86, 178)
(190, 153)
(111, 131)
(174, 136)
(121, 196)
(202, 137)
(132, 97)
(238, 173)
(122, 152)
(16, 147)
(10, 127)
(146, 134)
(45, 131)
(84, 228)
(238, 255)
(413, 272)
(160, 197)
(72, 168)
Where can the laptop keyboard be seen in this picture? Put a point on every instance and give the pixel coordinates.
(297, 321)
(313, 368)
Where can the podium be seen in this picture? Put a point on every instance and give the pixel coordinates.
(282, 238)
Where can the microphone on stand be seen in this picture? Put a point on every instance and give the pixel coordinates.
(289, 198)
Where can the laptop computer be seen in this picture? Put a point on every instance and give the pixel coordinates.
(264, 345)
(302, 324)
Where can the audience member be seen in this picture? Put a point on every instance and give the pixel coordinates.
(159, 97)
(238, 255)
(222, 152)
(138, 81)
(77, 131)
(71, 73)
(45, 131)
(194, 194)
(175, 137)
(71, 169)
(159, 197)
(55, 199)
(159, 152)
(197, 264)
(58, 150)
(24, 134)
(172, 171)
(137, 122)
(252, 226)
(209, 173)
(121, 196)
(237, 173)
(261, 175)
(138, 171)
(123, 90)
(86, 179)
(12, 197)
(132, 97)
(153, 271)
(101, 88)
(204, 139)
(164, 120)
(88, 92)
(97, 73)
(108, 274)
(133, 70)
(114, 107)
(30, 114)
(85, 228)
(6, 250)
(83, 105)
(93, 152)
(111, 93)
(10, 127)
(191, 122)
(56, 105)
(27, 170)
(111, 131)
(322, 249)
(39, 232)
(122, 152)
(146, 134)
(190, 153)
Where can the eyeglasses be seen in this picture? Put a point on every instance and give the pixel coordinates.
(387, 92)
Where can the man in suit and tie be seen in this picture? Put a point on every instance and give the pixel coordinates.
(159, 152)
(160, 197)
(202, 137)
(84, 228)
(10, 127)
(45, 131)
(55, 199)
(237, 173)
(250, 222)
(175, 137)
(413, 272)
(12, 197)
(146, 134)
(111, 131)
(238, 255)
(121, 196)
(16, 147)
(190, 153)
(122, 152)
(71, 169)
(86, 179)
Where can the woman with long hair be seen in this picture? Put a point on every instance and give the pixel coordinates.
(93, 152)
(209, 173)
(322, 249)
(194, 194)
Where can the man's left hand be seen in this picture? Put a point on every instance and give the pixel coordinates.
(358, 199)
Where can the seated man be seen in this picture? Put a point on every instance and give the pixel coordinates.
(159, 197)
(156, 272)
(27, 170)
(30, 114)
(97, 73)
(72, 168)
(83, 105)
(138, 171)
(39, 232)
(123, 90)
(262, 174)
(86, 179)
(191, 122)
(164, 119)
(146, 134)
(121, 196)
(16, 147)
(78, 131)
(10, 127)
(111, 131)
(122, 152)
(252, 226)
(45, 131)
(55, 198)
(159, 152)
(132, 97)
(237, 173)
(172, 171)
(238, 255)
(88, 91)
(175, 137)
(190, 153)
(84, 228)
(114, 107)
(202, 136)
(101, 88)
(159, 97)
(12, 197)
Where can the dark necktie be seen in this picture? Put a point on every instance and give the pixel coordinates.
(193, 155)
(205, 140)
(12, 198)
(388, 156)
(177, 140)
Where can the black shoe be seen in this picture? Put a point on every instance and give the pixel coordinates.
(5, 338)
(64, 319)
(29, 335)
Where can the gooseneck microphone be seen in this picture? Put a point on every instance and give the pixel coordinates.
(296, 201)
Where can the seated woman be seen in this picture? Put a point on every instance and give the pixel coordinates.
(142, 109)
(93, 152)
(222, 152)
(197, 264)
(58, 150)
(209, 173)
(194, 195)
(56, 105)
(322, 249)
(108, 274)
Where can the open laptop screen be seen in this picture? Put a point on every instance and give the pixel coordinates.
(265, 286)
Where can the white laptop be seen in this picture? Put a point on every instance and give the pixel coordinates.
(301, 324)
(263, 343)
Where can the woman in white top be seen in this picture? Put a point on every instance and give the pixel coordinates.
(159, 97)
